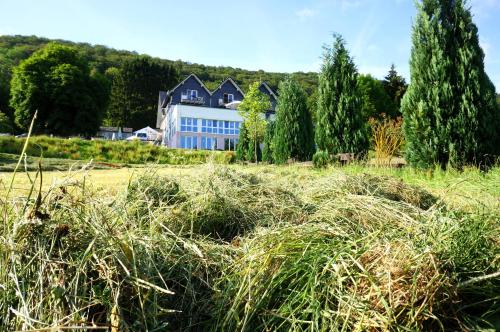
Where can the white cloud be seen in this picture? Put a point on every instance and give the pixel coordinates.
(305, 13)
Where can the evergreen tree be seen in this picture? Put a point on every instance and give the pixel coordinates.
(341, 127)
(134, 92)
(294, 136)
(395, 86)
(267, 150)
(449, 108)
(242, 146)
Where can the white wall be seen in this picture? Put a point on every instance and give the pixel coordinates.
(207, 113)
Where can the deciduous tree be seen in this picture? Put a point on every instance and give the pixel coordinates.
(57, 82)
(5, 124)
(253, 109)
(375, 101)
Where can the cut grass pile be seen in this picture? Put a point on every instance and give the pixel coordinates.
(231, 250)
(127, 152)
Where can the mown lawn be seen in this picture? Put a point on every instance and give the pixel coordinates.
(251, 248)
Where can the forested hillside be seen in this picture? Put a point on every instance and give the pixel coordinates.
(16, 48)
(104, 60)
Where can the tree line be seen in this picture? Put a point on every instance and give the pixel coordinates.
(450, 110)
(128, 85)
(130, 82)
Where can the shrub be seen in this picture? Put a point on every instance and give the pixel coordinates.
(321, 159)
(388, 138)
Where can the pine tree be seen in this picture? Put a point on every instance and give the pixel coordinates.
(294, 130)
(395, 86)
(449, 108)
(267, 150)
(341, 127)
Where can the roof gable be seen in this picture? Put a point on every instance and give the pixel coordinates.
(229, 79)
(271, 92)
(197, 79)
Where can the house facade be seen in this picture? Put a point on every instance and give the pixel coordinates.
(192, 117)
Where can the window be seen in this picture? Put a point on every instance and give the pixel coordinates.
(228, 98)
(208, 143)
(189, 142)
(231, 128)
(230, 144)
(189, 125)
(192, 94)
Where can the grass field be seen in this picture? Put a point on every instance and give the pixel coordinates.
(251, 248)
(107, 151)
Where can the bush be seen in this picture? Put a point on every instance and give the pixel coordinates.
(321, 159)
(387, 139)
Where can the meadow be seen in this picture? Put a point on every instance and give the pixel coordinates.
(104, 151)
(250, 248)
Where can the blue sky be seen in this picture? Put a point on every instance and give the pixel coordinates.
(280, 36)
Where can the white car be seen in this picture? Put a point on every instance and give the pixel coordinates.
(138, 136)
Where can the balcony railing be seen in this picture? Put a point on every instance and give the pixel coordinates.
(192, 100)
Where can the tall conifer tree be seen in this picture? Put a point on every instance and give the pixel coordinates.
(267, 150)
(449, 108)
(242, 146)
(341, 127)
(294, 130)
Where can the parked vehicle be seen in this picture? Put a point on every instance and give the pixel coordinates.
(138, 136)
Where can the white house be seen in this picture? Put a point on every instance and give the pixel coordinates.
(192, 117)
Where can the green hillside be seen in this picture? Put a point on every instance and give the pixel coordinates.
(13, 49)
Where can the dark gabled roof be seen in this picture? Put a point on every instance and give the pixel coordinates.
(269, 89)
(233, 82)
(167, 94)
(196, 78)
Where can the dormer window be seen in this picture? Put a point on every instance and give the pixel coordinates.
(228, 98)
(192, 94)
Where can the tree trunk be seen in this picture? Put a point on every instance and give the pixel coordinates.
(255, 146)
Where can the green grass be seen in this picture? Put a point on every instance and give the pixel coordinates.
(252, 248)
(127, 152)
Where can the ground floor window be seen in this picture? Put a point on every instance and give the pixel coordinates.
(189, 142)
(208, 143)
(230, 144)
